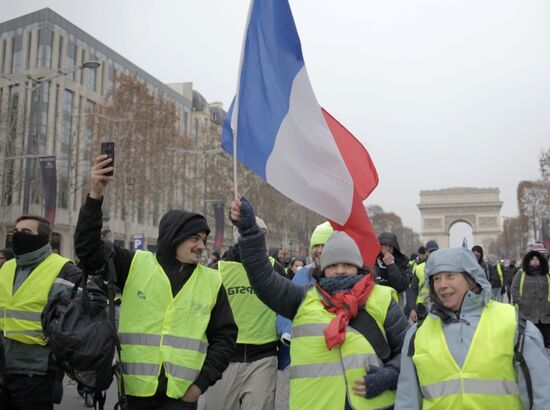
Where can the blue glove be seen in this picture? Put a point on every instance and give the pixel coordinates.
(247, 223)
(380, 379)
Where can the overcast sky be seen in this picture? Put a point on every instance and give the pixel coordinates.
(443, 93)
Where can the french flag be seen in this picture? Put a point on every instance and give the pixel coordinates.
(285, 137)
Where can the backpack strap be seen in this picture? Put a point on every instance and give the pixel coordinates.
(410, 351)
(117, 370)
(365, 324)
(520, 360)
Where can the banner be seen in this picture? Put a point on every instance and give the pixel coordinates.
(219, 225)
(49, 187)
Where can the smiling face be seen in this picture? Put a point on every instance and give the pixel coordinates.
(190, 250)
(450, 288)
(341, 269)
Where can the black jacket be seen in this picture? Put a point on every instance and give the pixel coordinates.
(221, 331)
(397, 274)
(285, 297)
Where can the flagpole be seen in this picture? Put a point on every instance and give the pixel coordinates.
(235, 187)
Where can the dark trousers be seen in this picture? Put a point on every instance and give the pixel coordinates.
(26, 392)
(545, 330)
(158, 403)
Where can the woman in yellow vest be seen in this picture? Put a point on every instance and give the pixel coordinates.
(470, 352)
(346, 330)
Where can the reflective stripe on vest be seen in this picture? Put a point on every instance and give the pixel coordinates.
(21, 311)
(487, 379)
(256, 322)
(158, 329)
(522, 282)
(423, 288)
(322, 378)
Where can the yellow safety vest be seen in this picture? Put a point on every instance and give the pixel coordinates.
(423, 288)
(487, 379)
(157, 329)
(500, 273)
(20, 312)
(522, 283)
(321, 379)
(256, 322)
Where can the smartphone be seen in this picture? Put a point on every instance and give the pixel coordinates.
(108, 148)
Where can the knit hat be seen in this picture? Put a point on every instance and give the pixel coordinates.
(192, 226)
(431, 246)
(261, 224)
(340, 248)
(320, 234)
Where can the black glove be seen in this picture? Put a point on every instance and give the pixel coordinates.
(247, 223)
(380, 379)
(502, 290)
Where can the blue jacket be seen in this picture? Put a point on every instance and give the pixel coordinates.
(459, 331)
(284, 325)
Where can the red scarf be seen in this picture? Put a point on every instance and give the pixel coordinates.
(346, 306)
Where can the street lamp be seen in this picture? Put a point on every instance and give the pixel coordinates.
(35, 83)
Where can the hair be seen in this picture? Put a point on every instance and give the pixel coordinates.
(294, 259)
(474, 287)
(44, 227)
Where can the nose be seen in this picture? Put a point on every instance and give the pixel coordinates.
(201, 245)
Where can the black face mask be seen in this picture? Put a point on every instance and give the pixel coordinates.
(27, 242)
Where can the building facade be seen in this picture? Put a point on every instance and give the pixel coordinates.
(46, 97)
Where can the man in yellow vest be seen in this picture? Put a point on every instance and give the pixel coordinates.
(336, 363)
(470, 352)
(249, 381)
(31, 379)
(176, 326)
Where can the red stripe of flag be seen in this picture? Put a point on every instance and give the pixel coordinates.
(365, 179)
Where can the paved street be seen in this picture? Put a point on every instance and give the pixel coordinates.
(71, 399)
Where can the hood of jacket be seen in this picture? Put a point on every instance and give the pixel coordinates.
(175, 226)
(543, 263)
(460, 260)
(389, 238)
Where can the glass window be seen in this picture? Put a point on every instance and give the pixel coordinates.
(64, 153)
(17, 54)
(110, 81)
(92, 76)
(44, 57)
(183, 127)
(70, 58)
(86, 147)
(10, 149)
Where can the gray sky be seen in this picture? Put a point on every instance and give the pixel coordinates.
(443, 93)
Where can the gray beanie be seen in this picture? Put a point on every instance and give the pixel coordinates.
(340, 248)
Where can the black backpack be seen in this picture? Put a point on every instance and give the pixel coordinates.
(82, 336)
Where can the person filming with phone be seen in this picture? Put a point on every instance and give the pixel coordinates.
(176, 326)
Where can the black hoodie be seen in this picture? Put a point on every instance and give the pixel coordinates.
(397, 274)
(221, 331)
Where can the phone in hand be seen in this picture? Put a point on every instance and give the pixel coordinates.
(108, 148)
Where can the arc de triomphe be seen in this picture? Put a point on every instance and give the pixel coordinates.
(478, 207)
